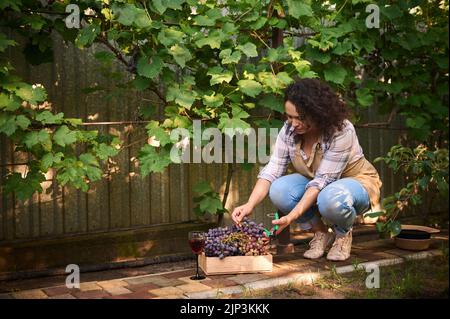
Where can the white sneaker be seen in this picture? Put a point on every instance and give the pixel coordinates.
(318, 245)
(341, 248)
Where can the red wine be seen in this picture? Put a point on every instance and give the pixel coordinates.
(197, 245)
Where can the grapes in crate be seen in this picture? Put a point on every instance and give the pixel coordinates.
(246, 240)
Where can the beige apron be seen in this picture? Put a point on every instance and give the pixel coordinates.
(361, 170)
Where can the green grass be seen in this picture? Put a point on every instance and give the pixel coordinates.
(425, 278)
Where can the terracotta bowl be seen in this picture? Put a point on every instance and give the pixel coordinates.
(415, 237)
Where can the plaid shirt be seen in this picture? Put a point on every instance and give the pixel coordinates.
(338, 151)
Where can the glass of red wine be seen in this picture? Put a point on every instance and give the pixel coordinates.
(197, 243)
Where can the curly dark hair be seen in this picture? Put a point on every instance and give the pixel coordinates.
(320, 103)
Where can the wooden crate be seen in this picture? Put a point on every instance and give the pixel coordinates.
(235, 264)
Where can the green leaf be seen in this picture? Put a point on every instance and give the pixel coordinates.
(230, 125)
(162, 5)
(214, 39)
(395, 228)
(7, 124)
(318, 56)
(249, 49)
(22, 121)
(375, 214)
(184, 97)
(258, 24)
(41, 137)
(170, 36)
(24, 188)
(415, 122)
(35, 21)
(335, 73)
(202, 187)
(104, 56)
(88, 159)
(250, 87)
(64, 136)
(154, 130)
(92, 172)
(152, 161)
(31, 94)
(142, 20)
(87, 35)
(47, 117)
(141, 83)
(210, 205)
(180, 54)
(219, 75)
(364, 97)
(105, 151)
(9, 102)
(213, 100)
(381, 227)
(392, 12)
(49, 159)
(298, 9)
(129, 14)
(228, 57)
(73, 121)
(5, 42)
(273, 102)
(209, 19)
(149, 68)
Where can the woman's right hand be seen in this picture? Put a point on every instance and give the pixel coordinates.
(240, 212)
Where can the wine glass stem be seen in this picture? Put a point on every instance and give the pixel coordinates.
(197, 275)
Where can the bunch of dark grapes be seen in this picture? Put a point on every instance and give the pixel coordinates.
(248, 239)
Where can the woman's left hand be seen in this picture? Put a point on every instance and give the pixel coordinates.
(282, 223)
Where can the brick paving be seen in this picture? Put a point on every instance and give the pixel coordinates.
(138, 284)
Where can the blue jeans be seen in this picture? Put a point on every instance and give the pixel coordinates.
(339, 202)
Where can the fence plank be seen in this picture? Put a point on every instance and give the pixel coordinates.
(139, 186)
(119, 185)
(176, 193)
(160, 198)
(98, 206)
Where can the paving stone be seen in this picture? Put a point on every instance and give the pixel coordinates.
(171, 297)
(295, 264)
(375, 244)
(115, 291)
(156, 279)
(366, 255)
(166, 291)
(189, 280)
(139, 295)
(64, 296)
(112, 284)
(180, 274)
(142, 287)
(58, 290)
(91, 294)
(398, 252)
(30, 294)
(193, 287)
(245, 278)
(213, 277)
(278, 271)
(219, 283)
(89, 286)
